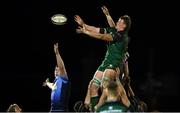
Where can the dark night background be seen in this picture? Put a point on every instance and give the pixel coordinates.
(27, 57)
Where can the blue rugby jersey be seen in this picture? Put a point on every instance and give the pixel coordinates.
(60, 95)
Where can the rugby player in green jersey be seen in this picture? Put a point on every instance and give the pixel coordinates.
(117, 42)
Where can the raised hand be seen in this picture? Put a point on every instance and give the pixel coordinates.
(56, 48)
(105, 10)
(81, 29)
(78, 19)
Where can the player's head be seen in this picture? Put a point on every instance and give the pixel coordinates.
(124, 23)
(14, 108)
(56, 71)
(112, 88)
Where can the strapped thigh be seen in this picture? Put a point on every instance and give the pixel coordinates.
(96, 81)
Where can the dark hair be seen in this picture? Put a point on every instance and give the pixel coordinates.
(112, 87)
(127, 21)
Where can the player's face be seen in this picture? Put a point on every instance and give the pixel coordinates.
(57, 71)
(120, 25)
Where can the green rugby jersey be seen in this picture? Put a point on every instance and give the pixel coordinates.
(116, 49)
(112, 107)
